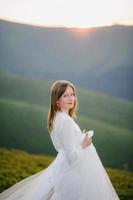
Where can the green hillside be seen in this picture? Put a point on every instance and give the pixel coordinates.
(24, 106)
(91, 104)
(17, 165)
(23, 126)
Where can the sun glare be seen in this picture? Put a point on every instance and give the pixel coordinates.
(81, 32)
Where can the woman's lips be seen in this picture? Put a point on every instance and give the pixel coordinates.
(70, 104)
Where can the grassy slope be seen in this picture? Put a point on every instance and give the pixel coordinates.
(23, 126)
(24, 106)
(17, 165)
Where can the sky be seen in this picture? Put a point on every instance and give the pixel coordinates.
(68, 13)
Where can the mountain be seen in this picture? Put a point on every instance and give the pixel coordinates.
(96, 58)
(24, 105)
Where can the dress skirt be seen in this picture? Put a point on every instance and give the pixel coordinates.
(86, 180)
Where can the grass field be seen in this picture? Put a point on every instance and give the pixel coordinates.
(16, 165)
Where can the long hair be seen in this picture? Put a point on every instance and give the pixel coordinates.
(57, 90)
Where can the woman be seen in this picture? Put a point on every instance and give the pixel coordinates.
(77, 172)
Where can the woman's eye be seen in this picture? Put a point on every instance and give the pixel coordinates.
(73, 94)
(66, 95)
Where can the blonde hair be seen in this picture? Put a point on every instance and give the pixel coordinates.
(57, 90)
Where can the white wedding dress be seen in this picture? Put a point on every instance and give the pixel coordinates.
(75, 174)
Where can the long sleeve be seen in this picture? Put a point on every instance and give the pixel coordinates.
(70, 143)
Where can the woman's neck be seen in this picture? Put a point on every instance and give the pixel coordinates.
(65, 111)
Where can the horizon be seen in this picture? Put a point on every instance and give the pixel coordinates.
(60, 26)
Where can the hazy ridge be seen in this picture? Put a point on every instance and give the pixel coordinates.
(97, 58)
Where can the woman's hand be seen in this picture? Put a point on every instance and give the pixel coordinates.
(86, 141)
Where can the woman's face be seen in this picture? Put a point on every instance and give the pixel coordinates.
(66, 101)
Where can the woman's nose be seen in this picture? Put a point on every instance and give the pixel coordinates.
(70, 97)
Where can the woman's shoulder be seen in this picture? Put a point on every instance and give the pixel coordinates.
(61, 119)
(63, 116)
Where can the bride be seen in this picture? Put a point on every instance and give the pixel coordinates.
(77, 172)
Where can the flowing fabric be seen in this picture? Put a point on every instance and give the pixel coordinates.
(75, 174)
